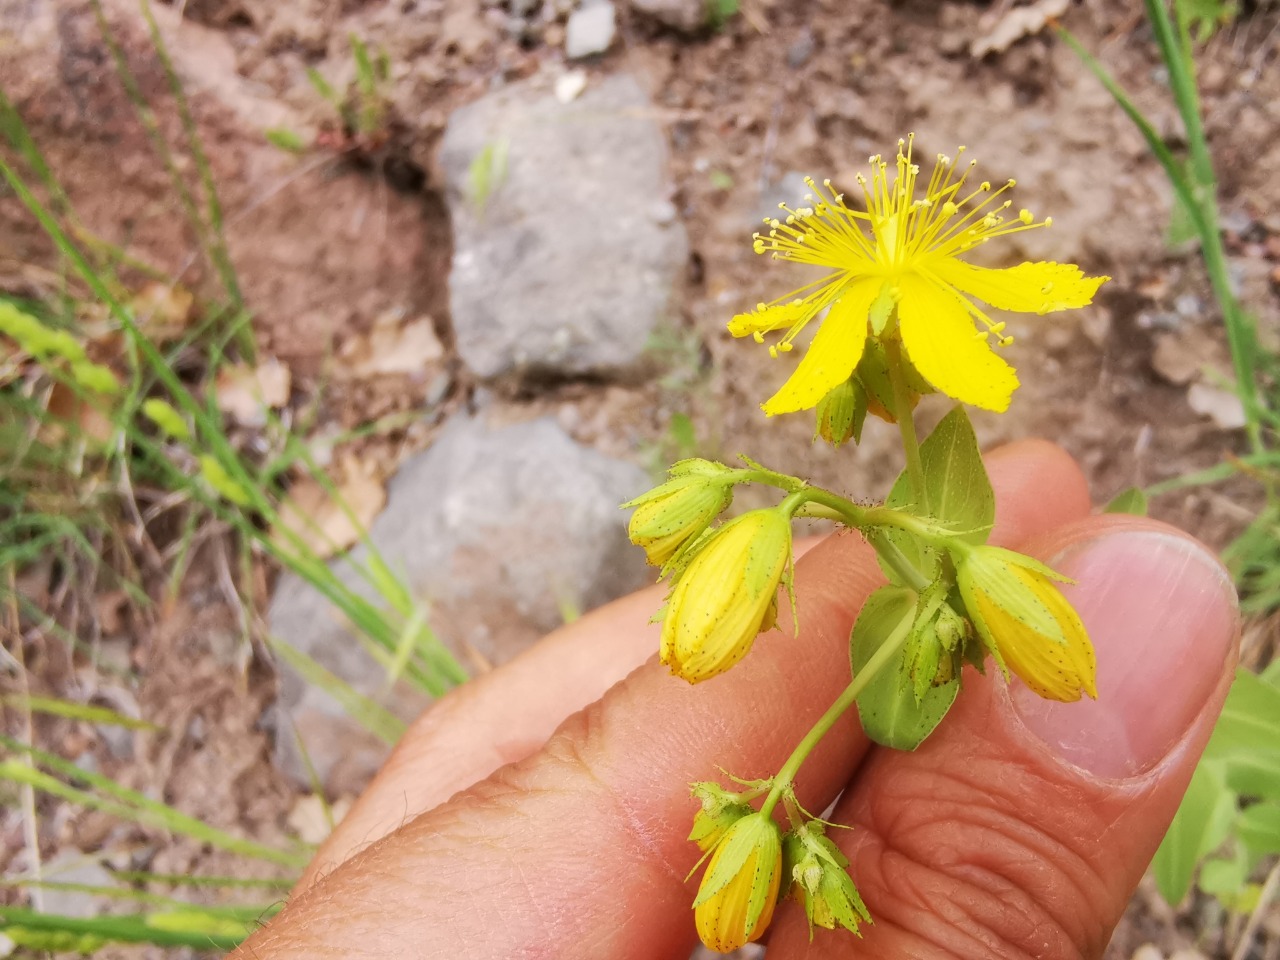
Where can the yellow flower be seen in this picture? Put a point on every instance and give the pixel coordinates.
(673, 513)
(735, 902)
(904, 252)
(1026, 622)
(726, 595)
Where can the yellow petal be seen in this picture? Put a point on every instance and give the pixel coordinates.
(833, 354)
(944, 347)
(1027, 288)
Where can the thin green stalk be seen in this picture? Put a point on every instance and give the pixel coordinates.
(1176, 52)
(879, 660)
(125, 929)
(1240, 335)
(907, 425)
(218, 245)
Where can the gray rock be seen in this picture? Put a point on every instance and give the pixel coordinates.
(686, 15)
(590, 30)
(74, 867)
(497, 531)
(569, 263)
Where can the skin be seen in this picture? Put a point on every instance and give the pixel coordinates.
(542, 810)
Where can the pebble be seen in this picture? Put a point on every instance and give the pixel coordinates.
(590, 30)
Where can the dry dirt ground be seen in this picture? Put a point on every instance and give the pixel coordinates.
(784, 89)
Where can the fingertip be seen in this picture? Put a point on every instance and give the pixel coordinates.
(1038, 485)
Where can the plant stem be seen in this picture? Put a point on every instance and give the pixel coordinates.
(897, 561)
(907, 425)
(879, 660)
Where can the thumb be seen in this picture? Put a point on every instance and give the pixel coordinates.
(1021, 828)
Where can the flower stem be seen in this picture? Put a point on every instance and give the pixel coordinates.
(907, 425)
(879, 660)
(897, 561)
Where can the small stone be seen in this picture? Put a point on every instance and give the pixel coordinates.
(1148, 951)
(570, 85)
(686, 15)
(590, 30)
(1188, 305)
(798, 53)
(1236, 221)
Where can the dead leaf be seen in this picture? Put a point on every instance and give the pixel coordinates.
(87, 414)
(246, 393)
(163, 310)
(321, 522)
(1181, 356)
(390, 349)
(307, 818)
(111, 608)
(1221, 406)
(1017, 23)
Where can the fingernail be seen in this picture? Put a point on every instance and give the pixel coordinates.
(1162, 614)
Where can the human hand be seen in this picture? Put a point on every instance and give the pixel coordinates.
(1019, 829)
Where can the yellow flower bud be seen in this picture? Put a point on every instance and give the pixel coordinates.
(1026, 622)
(674, 513)
(726, 595)
(735, 902)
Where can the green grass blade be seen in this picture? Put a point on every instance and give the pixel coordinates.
(76, 711)
(158, 929)
(369, 714)
(133, 806)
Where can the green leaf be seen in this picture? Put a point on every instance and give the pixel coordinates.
(719, 12)
(1256, 774)
(322, 86)
(1259, 828)
(285, 139)
(1250, 716)
(1199, 827)
(957, 489)
(1132, 500)
(887, 706)
(1223, 878)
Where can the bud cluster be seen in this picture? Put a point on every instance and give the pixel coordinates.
(724, 579)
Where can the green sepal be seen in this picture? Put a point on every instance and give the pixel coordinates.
(873, 373)
(957, 490)
(820, 879)
(1132, 500)
(887, 707)
(881, 309)
(987, 568)
(841, 413)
